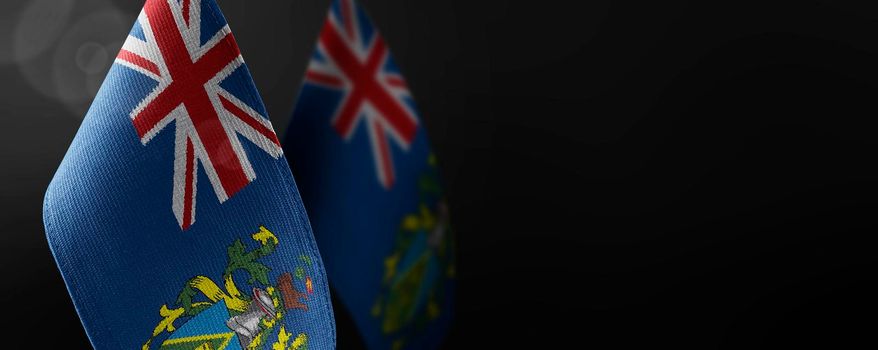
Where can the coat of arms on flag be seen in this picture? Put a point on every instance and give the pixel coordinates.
(177, 118)
(225, 316)
(370, 183)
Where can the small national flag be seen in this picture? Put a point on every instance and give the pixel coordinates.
(369, 181)
(174, 217)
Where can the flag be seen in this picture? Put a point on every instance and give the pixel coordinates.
(369, 181)
(174, 217)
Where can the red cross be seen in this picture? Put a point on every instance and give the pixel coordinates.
(188, 79)
(363, 75)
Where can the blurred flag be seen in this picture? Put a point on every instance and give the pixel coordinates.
(370, 184)
(174, 217)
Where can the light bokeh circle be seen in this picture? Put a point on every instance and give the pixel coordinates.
(74, 69)
(39, 25)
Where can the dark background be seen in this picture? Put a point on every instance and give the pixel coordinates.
(696, 174)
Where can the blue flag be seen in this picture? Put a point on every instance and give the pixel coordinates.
(174, 218)
(369, 181)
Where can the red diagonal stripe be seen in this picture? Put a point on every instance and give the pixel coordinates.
(220, 55)
(347, 115)
(324, 79)
(248, 119)
(157, 110)
(396, 116)
(396, 81)
(139, 61)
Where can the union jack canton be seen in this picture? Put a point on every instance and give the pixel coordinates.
(190, 64)
(352, 57)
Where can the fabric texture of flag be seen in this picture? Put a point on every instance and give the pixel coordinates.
(174, 217)
(370, 183)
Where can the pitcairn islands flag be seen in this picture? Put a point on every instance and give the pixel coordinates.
(174, 217)
(369, 181)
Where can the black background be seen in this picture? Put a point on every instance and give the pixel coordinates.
(696, 174)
